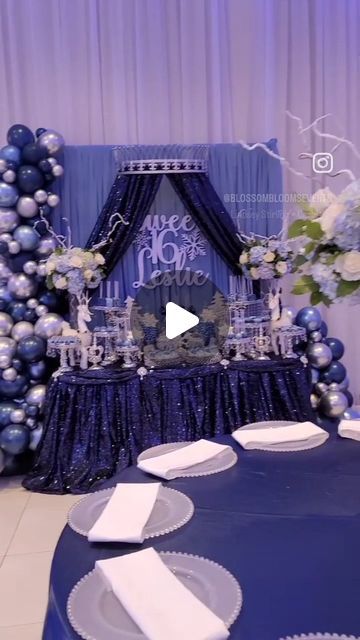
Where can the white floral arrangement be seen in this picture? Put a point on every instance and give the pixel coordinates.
(329, 260)
(74, 270)
(265, 258)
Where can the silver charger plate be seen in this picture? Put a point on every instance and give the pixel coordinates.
(320, 636)
(274, 424)
(221, 462)
(96, 614)
(171, 511)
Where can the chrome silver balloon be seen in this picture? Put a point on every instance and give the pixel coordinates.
(41, 310)
(14, 247)
(17, 416)
(30, 422)
(9, 220)
(289, 313)
(52, 141)
(53, 200)
(27, 207)
(9, 176)
(30, 267)
(36, 395)
(333, 404)
(319, 355)
(7, 348)
(41, 269)
(57, 170)
(46, 246)
(21, 286)
(6, 237)
(314, 400)
(5, 362)
(22, 329)
(35, 437)
(315, 336)
(32, 303)
(320, 388)
(334, 386)
(6, 324)
(49, 325)
(40, 196)
(9, 374)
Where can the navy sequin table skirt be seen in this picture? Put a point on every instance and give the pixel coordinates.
(97, 422)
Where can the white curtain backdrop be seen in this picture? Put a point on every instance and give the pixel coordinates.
(157, 71)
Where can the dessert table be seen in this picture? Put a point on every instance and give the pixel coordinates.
(286, 525)
(97, 422)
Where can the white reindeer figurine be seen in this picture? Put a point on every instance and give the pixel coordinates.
(84, 316)
(279, 318)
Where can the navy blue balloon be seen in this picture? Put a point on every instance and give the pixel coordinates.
(349, 396)
(45, 166)
(3, 304)
(336, 346)
(11, 154)
(46, 210)
(3, 247)
(38, 370)
(15, 438)
(324, 329)
(17, 310)
(32, 153)
(32, 411)
(50, 299)
(6, 409)
(12, 165)
(31, 349)
(29, 178)
(335, 372)
(49, 178)
(39, 131)
(5, 295)
(9, 194)
(30, 315)
(309, 318)
(18, 365)
(19, 135)
(14, 388)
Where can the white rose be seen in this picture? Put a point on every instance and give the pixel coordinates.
(75, 261)
(88, 274)
(321, 200)
(348, 265)
(254, 272)
(269, 256)
(61, 283)
(329, 217)
(244, 258)
(281, 267)
(99, 258)
(50, 266)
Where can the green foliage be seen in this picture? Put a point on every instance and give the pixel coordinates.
(347, 287)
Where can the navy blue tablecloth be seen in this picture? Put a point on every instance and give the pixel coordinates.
(286, 525)
(97, 422)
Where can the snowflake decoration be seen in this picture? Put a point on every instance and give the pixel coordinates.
(143, 239)
(193, 244)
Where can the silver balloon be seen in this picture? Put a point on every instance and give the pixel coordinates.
(32, 303)
(31, 423)
(319, 355)
(7, 348)
(14, 247)
(27, 207)
(17, 416)
(49, 325)
(289, 313)
(344, 384)
(3, 165)
(40, 196)
(28, 237)
(6, 323)
(22, 329)
(41, 310)
(9, 374)
(333, 404)
(314, 399)
(334, 386)
(6, 237)
(315, 336)
(36, 395)
(21, 286)
(46, 247)
(9, 176)
(51, 140)
(41, 269)
(35, 437)
(9, 220)
(52, 161)
(53, 200)
(30, 267)
(5, 272)
(320, 388)
(5, 362)
(57, 171)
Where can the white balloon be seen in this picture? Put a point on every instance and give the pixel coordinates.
(49, 325)
(53, 200)
(17, 416)
(21, 286)
(9, 374)
(27, 207)
(40, 196)
(9, 176)
(36, 395)
(14, 247)
(57, 170)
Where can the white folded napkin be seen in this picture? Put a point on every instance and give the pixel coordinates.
(280, 436)
(170, 465)
(349, 429)
(126, 514)
(161, 606)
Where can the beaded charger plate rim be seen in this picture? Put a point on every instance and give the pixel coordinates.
(320, 636)
(216, 464)
(221, 583)
(179, 501)
(273, 424)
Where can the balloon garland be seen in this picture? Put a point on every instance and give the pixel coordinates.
(28, 311)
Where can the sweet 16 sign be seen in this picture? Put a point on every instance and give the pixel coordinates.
(166, 244)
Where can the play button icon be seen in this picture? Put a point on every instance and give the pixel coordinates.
(178, 320)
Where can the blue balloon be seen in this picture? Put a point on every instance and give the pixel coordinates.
(45, 166)
(39, 131)
(11, 154)
(336, 346)
(2, 461)
(15, 438)
(50, 299)
(315, 375)
(30, 315)
(20, 135)
(29, 178)
(38, 371)
(9, 194)
(349, 396)
(18, 365)
(17, 310)
(33, 154)
(324, 329)
(27, 237)
(15, 388)
(6, 408)
(4, 248)
(32, 411)
(309, 318)
(334, 372)
(31, 349)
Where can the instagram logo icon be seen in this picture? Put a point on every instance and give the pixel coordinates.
(322, 162)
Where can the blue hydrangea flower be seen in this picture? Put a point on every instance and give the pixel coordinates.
(266, 271)
(257, 253)
(322, 272)
(76, 281)
(329, 288)
(347, 230)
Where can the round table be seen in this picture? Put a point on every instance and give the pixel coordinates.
(287, 525)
